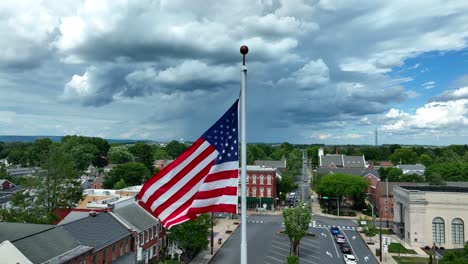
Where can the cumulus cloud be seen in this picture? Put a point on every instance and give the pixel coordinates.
(436, 116)
(460, 93)
(326, 63)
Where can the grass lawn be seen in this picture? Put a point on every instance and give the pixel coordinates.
(385, 231)
(399, 248)
(410, 260)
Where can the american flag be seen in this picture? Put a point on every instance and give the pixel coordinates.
(202, 179)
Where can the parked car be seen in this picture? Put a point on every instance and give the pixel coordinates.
(340, 239)
(349, 259)
(335, 230)
(345, 248)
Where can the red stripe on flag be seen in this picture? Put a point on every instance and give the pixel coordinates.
(171, 166)
(183, 190)
(227, 208)
(182, 174)
(216, 193)
(222, 175)
(179, 210)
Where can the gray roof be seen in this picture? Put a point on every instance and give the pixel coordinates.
(330, 160)
(41, 243)
(14, 231)
(354, 161)
(97, 231)
(15, 189)
(352, 171)
(73, 216)
(411, 167)
(271, 163)
(135, 216)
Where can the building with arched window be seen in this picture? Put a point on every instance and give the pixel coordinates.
(424, 215)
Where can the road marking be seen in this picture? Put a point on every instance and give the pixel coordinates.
(314, 246)
(302, 259)
(324, 235)
(354, 237)
(329, 254)
(287, 250)
(344, 233)
(282, 255)
(310, 240)
(281, 261)
(366, 258)
(334, 244)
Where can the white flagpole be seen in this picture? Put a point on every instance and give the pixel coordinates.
(244, 50)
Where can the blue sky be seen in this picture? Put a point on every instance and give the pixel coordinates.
(320, 71)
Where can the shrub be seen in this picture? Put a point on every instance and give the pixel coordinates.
(293, 260)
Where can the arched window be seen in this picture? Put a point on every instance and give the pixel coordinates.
(269, 180)
(458, 231)
(438, 230)
(261, 179)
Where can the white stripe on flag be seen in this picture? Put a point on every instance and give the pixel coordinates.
(182, 182)
(207, 186)
(174, 206)
(174, 171)
(225, 199)
(231, 165)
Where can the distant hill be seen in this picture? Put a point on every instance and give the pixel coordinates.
(8, 138)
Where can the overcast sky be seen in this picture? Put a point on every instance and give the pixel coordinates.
(318, 71)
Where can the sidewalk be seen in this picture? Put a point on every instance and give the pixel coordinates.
(222, 225)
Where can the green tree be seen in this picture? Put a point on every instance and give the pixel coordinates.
(370, 231)
(38, 151)
(82, 156)
(119, 155)
(404, 155)
(17, 157)
(425, 159)
(455, 257)
(120, 184)
(175, 148)
(312, 154)
(143, 153)
(340, 184)
(61, 187)
(133, 173)
(296, 222)
(191, 235)
(293, 260)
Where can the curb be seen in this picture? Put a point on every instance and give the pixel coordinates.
(222, 244)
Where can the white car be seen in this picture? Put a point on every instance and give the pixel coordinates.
(349, 259)
(340, 239)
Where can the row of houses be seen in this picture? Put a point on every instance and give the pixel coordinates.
(107, 226)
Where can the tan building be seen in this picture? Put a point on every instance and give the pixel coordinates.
(424, 215)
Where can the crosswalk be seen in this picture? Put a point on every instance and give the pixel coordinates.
(340, 227)
(254, 222)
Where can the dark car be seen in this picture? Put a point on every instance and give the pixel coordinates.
(345, 248)
(335, 230)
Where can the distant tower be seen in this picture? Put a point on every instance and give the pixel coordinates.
(376, 138)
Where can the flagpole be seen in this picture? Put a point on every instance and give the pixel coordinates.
(243, 50)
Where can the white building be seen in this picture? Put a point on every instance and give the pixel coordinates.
(424, 215)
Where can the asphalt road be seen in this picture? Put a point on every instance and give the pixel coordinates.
(266, 246)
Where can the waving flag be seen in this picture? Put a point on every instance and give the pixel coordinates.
(202, 179)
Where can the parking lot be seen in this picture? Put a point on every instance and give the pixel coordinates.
(265, 245)
(321, 249)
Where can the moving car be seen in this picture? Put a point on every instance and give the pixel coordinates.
(345, 248)
(335, 230)
(340, 239)
(349, 259)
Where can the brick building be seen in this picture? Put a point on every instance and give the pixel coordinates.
(261, 182)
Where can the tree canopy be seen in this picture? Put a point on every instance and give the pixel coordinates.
(132, 173)
(296, 222)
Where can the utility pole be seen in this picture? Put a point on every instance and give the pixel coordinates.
(380, 236)
(386, 201)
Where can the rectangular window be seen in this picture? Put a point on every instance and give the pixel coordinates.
(141, 239)
(261, 179)
(151, 233)
(95, 257)
(146, 236)
(122, 245)
(269, 180)
(128, 245)
(254, 179)
(268, 192)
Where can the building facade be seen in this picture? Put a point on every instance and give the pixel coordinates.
(424, 215)
(261, 182)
